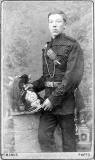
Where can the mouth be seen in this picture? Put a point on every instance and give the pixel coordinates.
(55, 30)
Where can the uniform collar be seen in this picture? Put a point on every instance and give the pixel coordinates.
(57, 37)
(58, 40)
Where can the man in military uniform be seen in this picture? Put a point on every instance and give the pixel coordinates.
(62, 74)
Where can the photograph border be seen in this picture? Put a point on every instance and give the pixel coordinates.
(59, 155)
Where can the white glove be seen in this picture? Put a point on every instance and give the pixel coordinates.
(47, 105)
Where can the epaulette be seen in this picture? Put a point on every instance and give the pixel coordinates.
(64, 40)
(69, 39)
(46, 46)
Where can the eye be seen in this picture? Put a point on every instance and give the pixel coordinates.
(59, 21)
(50, 21)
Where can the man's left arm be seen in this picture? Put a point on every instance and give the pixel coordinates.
(72, 77)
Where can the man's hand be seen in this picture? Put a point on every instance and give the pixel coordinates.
(47, 105)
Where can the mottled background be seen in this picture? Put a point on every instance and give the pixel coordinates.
(25, 32)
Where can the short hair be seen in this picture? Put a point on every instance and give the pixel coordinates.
(56, 11)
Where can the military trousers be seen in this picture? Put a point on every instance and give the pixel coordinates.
(47, 126)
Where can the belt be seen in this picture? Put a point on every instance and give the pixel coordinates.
(52, 84)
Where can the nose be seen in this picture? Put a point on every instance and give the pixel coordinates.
(54, 24)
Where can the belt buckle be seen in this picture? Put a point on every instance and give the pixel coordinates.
(49, 84)
(52, 84)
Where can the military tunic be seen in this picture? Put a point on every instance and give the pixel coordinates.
(69, 73)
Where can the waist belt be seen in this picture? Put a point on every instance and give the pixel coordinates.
(52, 84)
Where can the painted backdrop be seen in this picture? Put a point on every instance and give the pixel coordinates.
(25, 32)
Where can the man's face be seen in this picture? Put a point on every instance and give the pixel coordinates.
(56, 24)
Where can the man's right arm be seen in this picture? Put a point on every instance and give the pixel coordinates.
(39, 84)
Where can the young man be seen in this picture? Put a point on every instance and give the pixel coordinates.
(62, 73)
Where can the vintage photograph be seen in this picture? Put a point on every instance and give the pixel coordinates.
(47, 86)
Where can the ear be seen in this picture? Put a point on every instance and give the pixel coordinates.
(64, 27)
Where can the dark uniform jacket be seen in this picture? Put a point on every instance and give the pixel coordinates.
(69, 73)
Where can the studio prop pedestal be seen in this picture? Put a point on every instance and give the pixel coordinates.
(26, 133)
